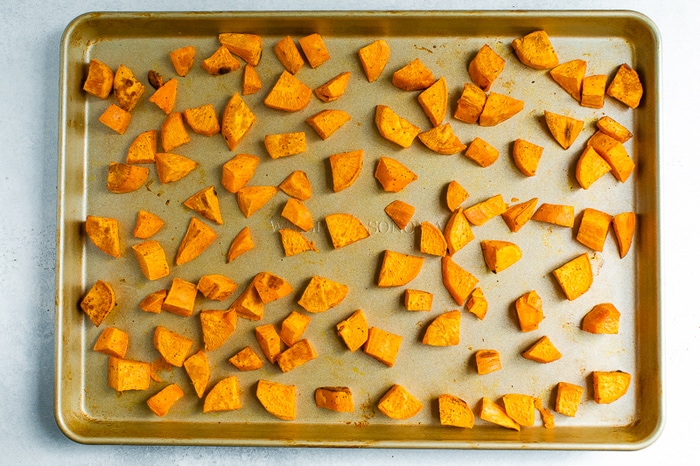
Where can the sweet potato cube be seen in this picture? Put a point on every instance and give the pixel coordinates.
(556, 214)
(327, 122)
(285, 144)
(528, 308)
(322, 294)
(570, 76)
(431, 240)
(604, 318)
(613, 129)
(197, 368)
(237, 172)
(417, 300)
(499, 255)
(477, 304)
(455, 195)
(143, 148)
(443, 330)
(246, 46)
(543, 351)
(458, 233)
(104, 233)
(568, 398)
(278, 399)
(526, 156)
(293, 327)
(216, 287)
(400, 212)
(455, 412)
(493, 413)
(161, 402)
(593, 229)
(299, 353)
(295, 243)
(442, 140)
(237, 120)
(415, 76)
(394, 128)
(393, 175)
(249, 305)
(206, 203)
(152, 260)
(487, 361)
(433, 100)
(593, 91)
(345, 229)
(333, 89)
(297, 185)
(180, 298)
(518, 215)
(470, 104)
(252, 198)
(269, 341)
(127, 374)
(575, 277)
(147, 224)
(98, 302)
(217, 327)
(458, 282)
(398, 269)
(183, 59)
(612, 150)
(165, 96)
(116, 118)
(197, 239)
(590, 167)
(173, 132)
(171, 345)
(296, 212)
(481, 152)
(482, 212)
(373, 58)
(246, 360)
(345, 168)
(251, 80)
(354, 330)
(399, 403)
(382, 345)
(243, 242)
(536, 51)
(202, 120)
(173, 167)
(289, 55)
(499, 108)
(224, 396)
(623, 226)
(112, 342)
(334, 398)
(127, 89)
(220, 62)
(610, 386)
(314, 50)
(485, 67)
(564, 129)
(271, 287)
(288, 94)
(520, 408)
(100, 79)
(626, 86)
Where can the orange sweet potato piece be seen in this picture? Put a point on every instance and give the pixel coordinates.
(526, 156)
(499, 108)
(295, 243)
(547, 416)
(433, 100)
(604, 318)
(112, 342)
(297, 185)
(590, 167)
(237, 172)
(161, 402)
(127, 89)
(293, 327)
(171, 345)
(217, 327)
(165, 96)
(518, 215)
(197, 368)
(288, 94)
(458, 233)
(417, 300)
(564, 129)
(333, 89)
(610, 386)
(172, 167)
(536, 51)
(400, 212)
(481, 152)
(242, 242)
(393, 175)
(202, 120)
(296, 212)
(624, 226)
(123, 178)
(271, 287)
(570, 76)
(183, 59)
(485, 67)
(443, 330)
(354, 330)
(289, 55)
(480, 213)
(104, 233)
(455, 195)
(626, 86)
(575, 277)
(100, 79)
(337, 399)
(251, 80)
(299, 353)
(543, 351)
(487, 361)
(455, 412)
(252, 198)
(314, 50)
(220, 62)
(327, 122)
(224, 396)
(398, 269)
(442, 140)
(612, 150)
(116, 118)
(520, 408)
(285, 144)
(499, 255)
(431, 240)
(269, 341)
(216, 287)
(147, 224)
(373, 58)
(593, 91)
(246, 360)
(528, 308)
(128, 374)
(345, 229)
(346, 168)
(143, 148)
(415, 76)
(278, 399)
(477, 304)
(173, 132)
(151, 259)
(568, 398)
(394, 128)
(180, 298)
(458, 282)
(246, 46)
(399, 403)
(470, 104)
(206, 203)
(249, 305)
(556, 214)
(613, 129)
(382, 345)
(237, 121)
(197, 239)
(322, 294)
(593, 229)
(98, 302)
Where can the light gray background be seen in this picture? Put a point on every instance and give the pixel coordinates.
(29, 58)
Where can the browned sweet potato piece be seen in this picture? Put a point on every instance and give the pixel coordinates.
(593, 91)
(373, 58)
(455, 195)
(354, 330)
(499, 108)
(202, 120)
(470, 104)
(155, 79)
(289, 55)
(394, 128)
(243, 242)
(593, 229)
(220, 62)
(299, 353)
(171, 345)
(112, 342)
(590, 167)
(161, 402)
(293, 327)
(477, 304)
(252, 198)
(334, 398)
(431, 240)
(123, 178)
(183, 59)
(173, 132)
(98, 302)
(289, 94)
(346, 168)
(526, 156)
(297, 185)
(499, 255)
(127, 374)
(570, 76)
(100, 79)
(383, 346)
(278, 399)
(269, 341)
(224, 396)
(575, 277)
(206, 203)
(116, 118)
(455, 412)
(322, 294)
(296, 212)
(433, 100)
(519, 214)
(543, 351)
(271, 287)
(415, 76)
(626, 86)
(197, 239)
(481, 152)
(237, 172)
(604, 318)
(398, 269)
(398, 403)
(564, 129)
(152, 260)
(528, 308)
(333, 89)
(568, 398)
(547, 416)
(143, 148)
(216, 287)
(180, 298)
(520, 408)
(295, 243)
(487, 361)
(613, 129)
(612, 150)
(417, 300)
(485, 67)
(623, 226)
(536, 51)
(610, 386)
(458, 282)
(251, 80)
(314, 50)
(285, 144)
(480, 213)
(104, 233)
(197, 368)
(400, 212)
(442, 140)
(248, 305)
(217, 327)
(127, 89)
(237, 121)
(147, 224)
(327, 122)
(443, 330)
(345, 229)
(246, 46)
(393, 175)
(165, 96)
(246, 360)
(556, 214)
(458, 232)
(172, 167)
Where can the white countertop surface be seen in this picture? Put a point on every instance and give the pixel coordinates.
(29, 55)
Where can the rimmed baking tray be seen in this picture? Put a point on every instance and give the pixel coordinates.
(88, 411)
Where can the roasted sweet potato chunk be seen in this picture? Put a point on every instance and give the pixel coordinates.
(575, 277)
(152, 260)
(100, 79)
(128, 374)
(442, 140)
(165, 96)
(333, 89)
(202, 120)
(180, 298)
(487, 361)
(327, 122)
(288, 54)
(173, 132)
(161, 402)
(593, 91)
(224, 396)
(206, 203)
(433, 100)
(112, 342)
(477, 304)
(520, 408)
(613, 129)
(543, 351)
(455, 412)
(253, 198)
(246, 360)
(570, 76)
(289, 94)
(220, 62)
(314, 50)
(400, 212)
(246, 46)
(278, 399)
(183, 60)
(485, 67)
(237, 172)
(197, 239)
(269, 341)
(116, 118)
(431, 240)
(251, 80)
(470, 104)
(499, 108)
(242, 242)
(393, 175)
(127, 89)
(590, 167)
(346, 168)
(299, 353)
(171, 345)
(626, 86)
(482, 212)
(568, 398)
(334, 398)
(415, 76)
(417, 300)
(399, 403)
(249, 305)
(458, 282)
(614, 153)
(296, 212)
(455, 195)
(285, 144)
(604, 318)
(173, 167)
(98, 302)
(593, 229)
(526, 156)
(354, 330)
(528, 308)
(216, 286)
(556, 214)
(293, 327)
(458, 233)
(143, 148)
(398, 269)
(443, 330)
(493, 413)
(373, 58)
(147, 224)
(104, 233)
(345, 229)
(383, 346)
(536, 51)
(237, 121)
(217, 327)
(481, 152)
(564, 129)
(271, 287)
(322, 294)
(624, 226)
(499, 255)
(199, 372)
(610, 386)
(295, 243)
(394, 128)
(516, 216)
(297, 185)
